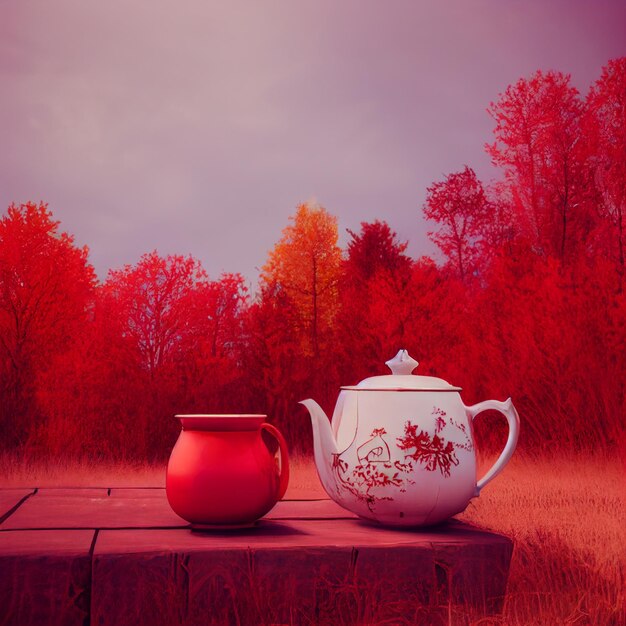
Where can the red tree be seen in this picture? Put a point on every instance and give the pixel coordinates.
(46, 288)
(606, 135)
(149, 305)
(459, 205)
(151, 300)
(376, 268)
(375, 249)
(277, 371)
(538, 126)
(209, 363)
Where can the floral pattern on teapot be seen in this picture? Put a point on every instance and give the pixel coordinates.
(376, 465)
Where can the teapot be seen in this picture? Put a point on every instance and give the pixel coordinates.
(400, 449)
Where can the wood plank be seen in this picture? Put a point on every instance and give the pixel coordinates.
(45, 577)
(10, 498)
(297, 570)
(138, 492)
(92, 509)
(292, 533)
(308, 509)
(73, 492)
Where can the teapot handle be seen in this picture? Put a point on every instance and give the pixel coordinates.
(284, 457)
(508, 410)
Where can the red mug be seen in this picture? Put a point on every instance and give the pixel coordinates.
(221, 472)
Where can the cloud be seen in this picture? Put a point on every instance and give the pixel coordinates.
(197, 127)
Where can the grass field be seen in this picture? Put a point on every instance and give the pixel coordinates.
(566, 517)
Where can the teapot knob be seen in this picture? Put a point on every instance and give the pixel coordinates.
(402, 363)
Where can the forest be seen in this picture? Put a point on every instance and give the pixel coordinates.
(527, 300)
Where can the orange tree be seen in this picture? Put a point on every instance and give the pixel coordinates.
(306, 265)
(297, 308)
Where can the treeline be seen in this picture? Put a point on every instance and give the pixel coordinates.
(529, 303)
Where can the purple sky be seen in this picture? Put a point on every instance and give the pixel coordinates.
(198, 126)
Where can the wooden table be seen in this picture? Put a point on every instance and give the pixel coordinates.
(122, 556)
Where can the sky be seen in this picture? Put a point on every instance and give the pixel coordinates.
(198, 126)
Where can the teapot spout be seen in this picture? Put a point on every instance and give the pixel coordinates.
(324, 446)
(323, 438)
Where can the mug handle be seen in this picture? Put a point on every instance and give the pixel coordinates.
(284, 457)
(508, 410)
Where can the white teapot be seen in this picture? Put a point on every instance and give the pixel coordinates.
(400, 450)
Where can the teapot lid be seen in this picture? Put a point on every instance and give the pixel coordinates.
(401, 378)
